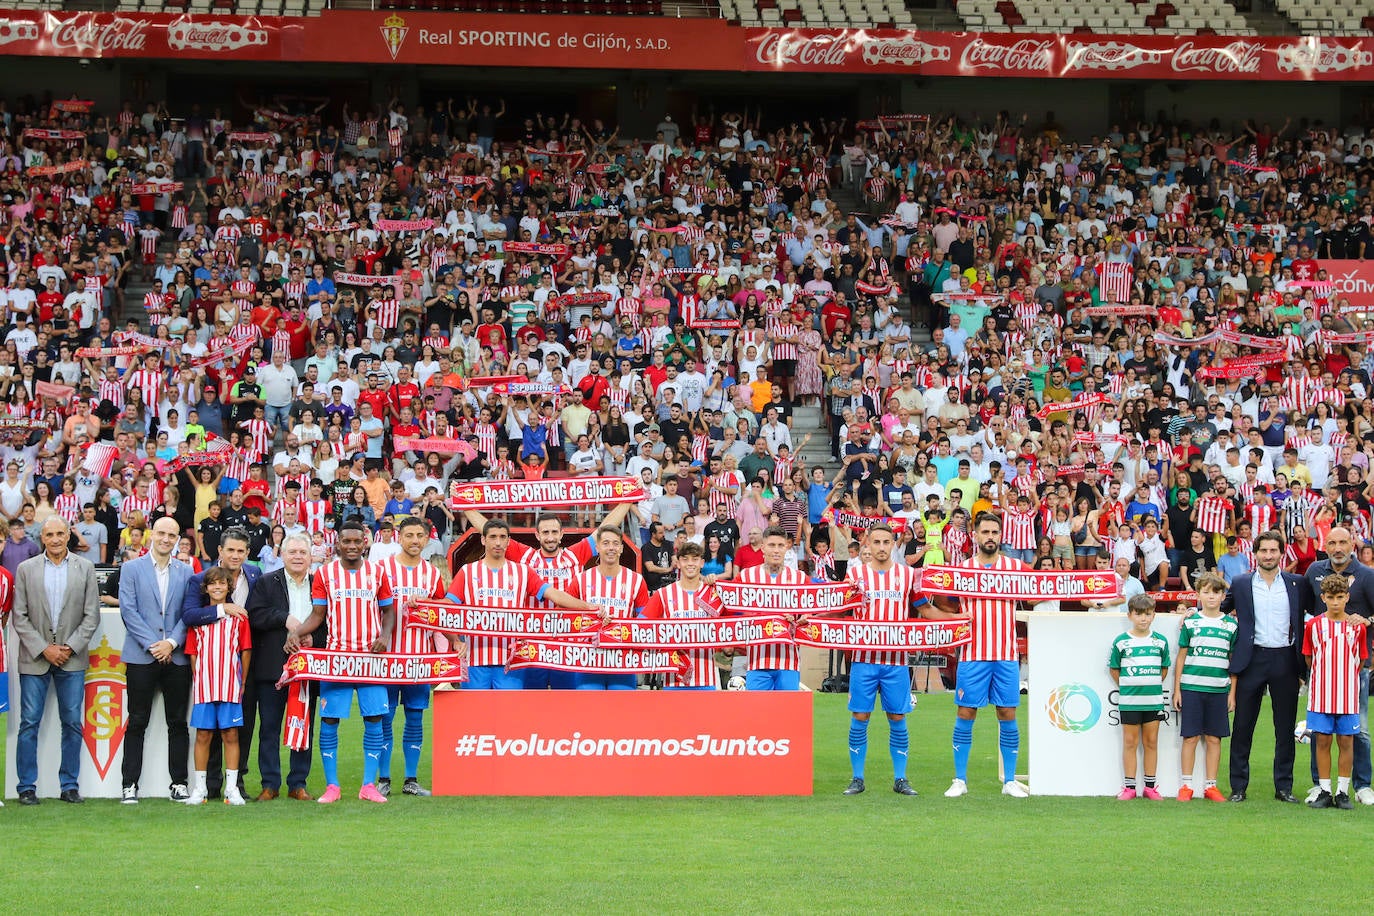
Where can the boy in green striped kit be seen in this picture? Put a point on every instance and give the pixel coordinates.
(1204, 688)
(1139, 663)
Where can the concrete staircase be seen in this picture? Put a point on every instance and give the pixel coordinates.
(1265, 19)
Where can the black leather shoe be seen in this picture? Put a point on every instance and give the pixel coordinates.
(855, 787)
(1287, 797)
(28, 798)
(1342, 801)
(1323, 800)
(902, 787)
(72, 797)
(1237, 797)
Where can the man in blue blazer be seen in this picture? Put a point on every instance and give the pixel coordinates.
(1270, 607)
(152, 591)
(233, 554)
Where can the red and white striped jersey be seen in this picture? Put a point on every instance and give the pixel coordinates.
(477, 585)
(719, 498)
(111, 391)
(1261, 518)
(136, 503)
(560, 570)
(6, 606)
(888, 596)
(218, 648)
(261, 433)
(1337, 649)
(773, 656)
(1211, 514)
(148, 381)
(311, 513)
(993, 619)
(243, 289)
(675, 602)
(622, 595)
(422, 581)
(353, 600)
(783, 338)
(281, 343)
(386, 312)
(241, 332)
(68, 505)
(1115, 278)
(1018, 529)
(237, 466)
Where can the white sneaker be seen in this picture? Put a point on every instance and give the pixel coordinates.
(232, 797)
(198, 797)
(1016, 789)
(1365, 796)
(1312, 793)
(956, 788)
(736, 683)
(128, 796)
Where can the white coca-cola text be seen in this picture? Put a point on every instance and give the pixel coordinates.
(1026, 54)
(780, 49)
(89, 36)
(905, 51)
(1236, 57)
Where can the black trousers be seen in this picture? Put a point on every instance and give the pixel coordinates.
(144, 682)
(271, 705)
(1276, 671)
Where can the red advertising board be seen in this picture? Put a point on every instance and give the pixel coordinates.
(631, 742)
(1353, 280)
(665, 43)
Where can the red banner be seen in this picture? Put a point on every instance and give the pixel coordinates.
(1254, 341)
(200, 459)
(710, 633)
(1352, 280)
(591, 298)
(232, 351)
(807, 598)
(587, 659)
(1078, 403)
(1244, 367)
(39, 133)
(369, 668)
(856, 522)
(44, 171)
(1018, 584)
(530, 389)
(156, 187)
(622, 742)
(52, 390)
(404, 225)
(859, 635)
(435, 444)
(552, 249)
(1124, 311)
(251, 136)
(509, 623)
(563, 492)
(671, 43)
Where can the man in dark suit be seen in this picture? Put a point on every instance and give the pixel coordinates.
(233, 554)
(278, 601)
(1270, 607)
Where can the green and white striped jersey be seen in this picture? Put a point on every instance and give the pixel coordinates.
(1142, 661)
(1209, 641)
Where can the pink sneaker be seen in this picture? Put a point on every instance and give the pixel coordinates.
(330, 796)
(369, 793)
(1123, 795)
(1152, 794)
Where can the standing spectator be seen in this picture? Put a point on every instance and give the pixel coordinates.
(1269, 606)
(152, 592)
(56, 611)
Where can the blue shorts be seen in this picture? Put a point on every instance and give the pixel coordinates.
(1204, 713)
(227, 485)
(775, 679)
(336, 700)
(407, 696)
(866, 680)
(981, 683)
(547, 679)
(1326, 723)
(4, 692)
(605, 681)
(216, 716)
(494, 677)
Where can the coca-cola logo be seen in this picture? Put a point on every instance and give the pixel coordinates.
(17, 30)
(217, 37)
(1026, 54)
(90, 36)
(1108, 55)
(781, 49)
(1314, 56)
(907, 52)
(1236, 57)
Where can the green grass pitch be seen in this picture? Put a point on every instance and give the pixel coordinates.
(877, 852)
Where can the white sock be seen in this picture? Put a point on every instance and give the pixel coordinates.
(200, 781)
(1325, 784)
(231, 781)
(1343, 784)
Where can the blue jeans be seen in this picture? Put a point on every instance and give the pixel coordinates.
(279, 417)
(1025, 556)
(1360, 775)
(71, 695)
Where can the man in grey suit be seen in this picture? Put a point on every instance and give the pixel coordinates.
(56, 612)
(152, 590)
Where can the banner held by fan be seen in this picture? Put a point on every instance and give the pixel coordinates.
(705, 633)
(506, 623)
(572, 656)
(1019, 584)
(800, 598)
(374, 668)
(850, 635)
(561, 493)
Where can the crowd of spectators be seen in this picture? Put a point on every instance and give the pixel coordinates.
(1018, 320)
